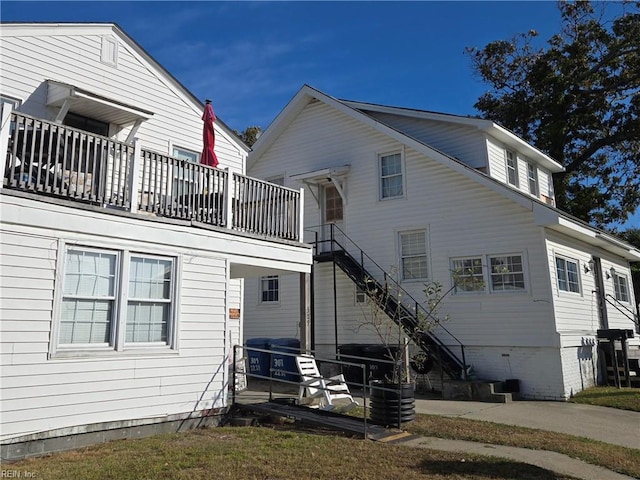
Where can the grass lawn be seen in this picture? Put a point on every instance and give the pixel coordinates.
(292, 452)
(622, 398)
(268, 453)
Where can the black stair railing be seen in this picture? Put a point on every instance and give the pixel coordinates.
(396, 302)
(624, 310)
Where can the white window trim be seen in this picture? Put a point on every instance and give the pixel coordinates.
(118, 348)
(508, 151)
(615, 291)
(268, 303)
(399, 233)
(403, 172)
(535, 179)
(14, 101)
(486, 272)
(566, 258)
(104, 58)
(173, 147)
(357, 291)
(483, 260)
(524, 273)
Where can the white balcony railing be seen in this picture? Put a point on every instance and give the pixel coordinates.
(50, 159)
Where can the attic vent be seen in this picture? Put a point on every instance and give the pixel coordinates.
(109, 53)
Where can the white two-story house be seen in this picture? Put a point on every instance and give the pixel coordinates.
(410, 197)
(122, 256)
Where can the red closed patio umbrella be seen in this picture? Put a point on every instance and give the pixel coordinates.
(208, 136)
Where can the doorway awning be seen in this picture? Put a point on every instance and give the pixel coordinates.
(322, 175)
(83, 102)
(333, 175)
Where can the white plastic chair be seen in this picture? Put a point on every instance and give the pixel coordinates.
(319, 392)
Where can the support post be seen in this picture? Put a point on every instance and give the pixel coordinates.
(301, 216)
(228, 198)
(5, 128)
(134, 177)
(305, 312)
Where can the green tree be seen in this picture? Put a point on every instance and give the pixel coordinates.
(578, 100)
(250, 135)
(632, 236)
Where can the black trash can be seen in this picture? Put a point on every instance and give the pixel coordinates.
(511, 385)
(380, 366)
(391, 404)
(352, 374)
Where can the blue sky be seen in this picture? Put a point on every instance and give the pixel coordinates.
(250, 58)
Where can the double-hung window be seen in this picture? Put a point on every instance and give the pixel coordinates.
(512, 167)
(270, 289)
(391, 176)
(507, 273)
(488, 274)
(413, 255)
(567, 273)
(468, 274)
(116, 300)
(89, 298)
(149, 299)
(621, 287)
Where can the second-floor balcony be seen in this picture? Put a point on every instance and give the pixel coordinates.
(50, 159)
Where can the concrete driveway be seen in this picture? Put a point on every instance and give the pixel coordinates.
(619, 427)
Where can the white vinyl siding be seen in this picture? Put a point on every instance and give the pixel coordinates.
(391, 176)
(567, 274)
(413, 255)
(277, 180)
(30, 55)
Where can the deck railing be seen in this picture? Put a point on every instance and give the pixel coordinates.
(55, 160)
(65, 162)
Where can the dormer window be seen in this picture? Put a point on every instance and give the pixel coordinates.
(512, 167)
(532, 176)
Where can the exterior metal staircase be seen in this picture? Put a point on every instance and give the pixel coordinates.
(395, 301)
(621, 364)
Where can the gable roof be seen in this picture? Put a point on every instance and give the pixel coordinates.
(544, 215)
(494, 129)
(104, 28)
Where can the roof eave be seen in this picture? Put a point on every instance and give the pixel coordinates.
(554, 219)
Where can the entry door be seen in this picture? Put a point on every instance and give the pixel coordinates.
(600, 292)
(332, 211)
